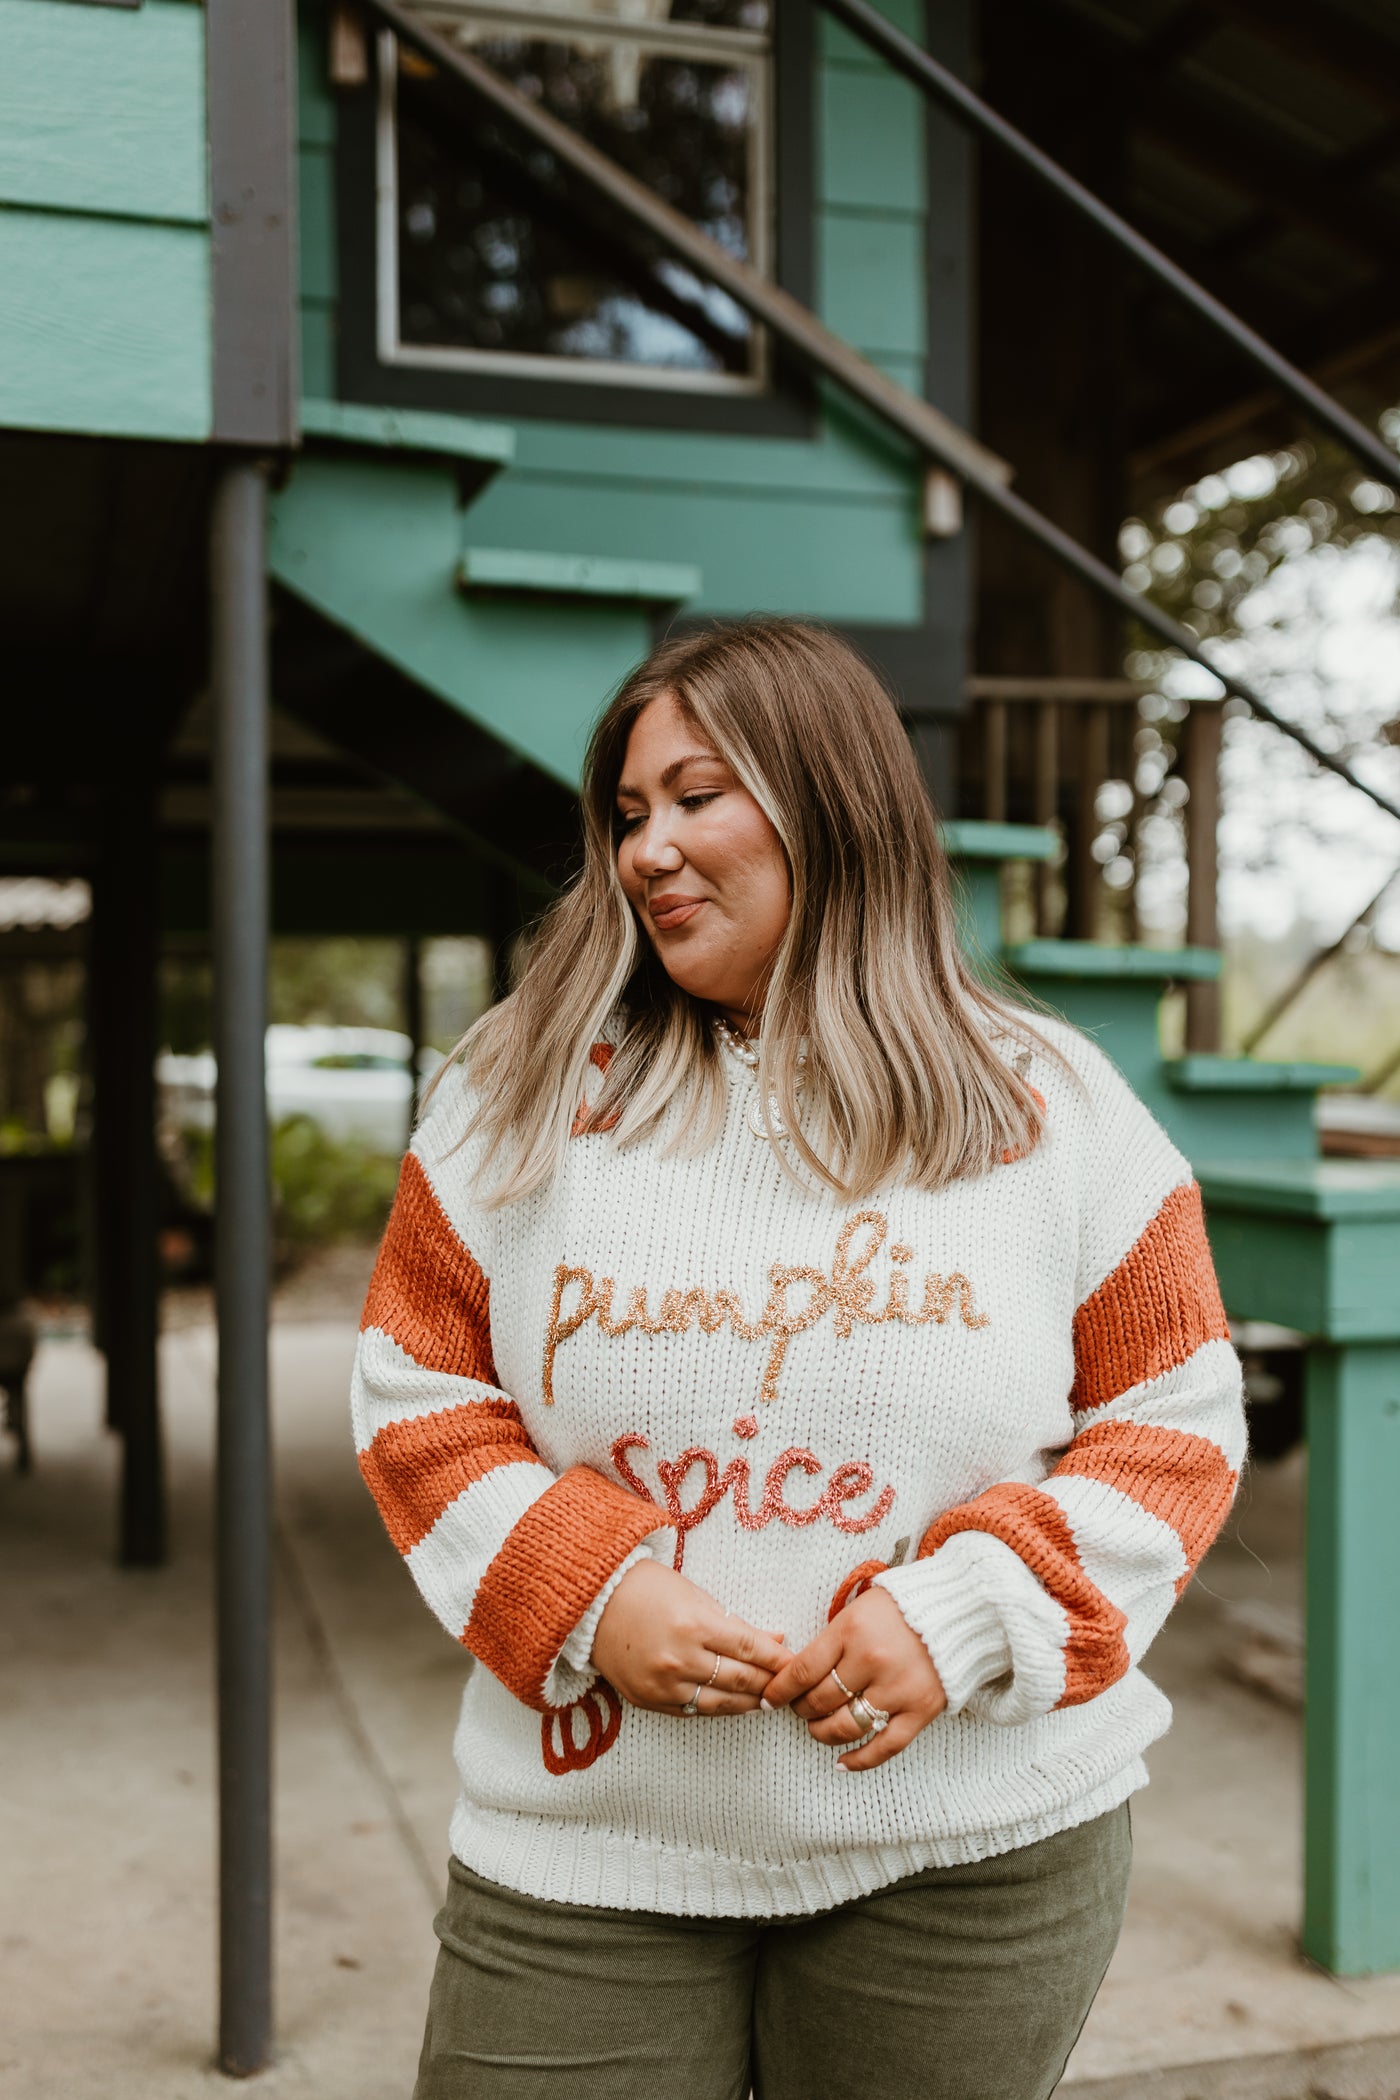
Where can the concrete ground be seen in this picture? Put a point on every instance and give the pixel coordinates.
(107, 1802)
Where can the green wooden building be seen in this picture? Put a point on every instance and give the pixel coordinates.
(376, 385)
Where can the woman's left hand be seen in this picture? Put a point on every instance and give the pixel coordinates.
(880, 1659)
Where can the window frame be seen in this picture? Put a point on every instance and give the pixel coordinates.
(779, 399)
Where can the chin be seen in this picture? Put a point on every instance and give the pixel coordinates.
(693, 978)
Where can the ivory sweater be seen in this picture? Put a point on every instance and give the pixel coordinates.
(1016, 1397)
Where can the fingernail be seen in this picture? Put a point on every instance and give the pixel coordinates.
(766, 1707)
(845, 1771)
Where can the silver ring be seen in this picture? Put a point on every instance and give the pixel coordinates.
(868, 1719)
(692, 1704)
(845, 1687)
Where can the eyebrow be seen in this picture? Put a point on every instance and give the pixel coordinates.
(677, 766)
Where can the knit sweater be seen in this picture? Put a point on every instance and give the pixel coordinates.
(1013, 1403)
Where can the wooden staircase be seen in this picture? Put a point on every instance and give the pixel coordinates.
(1215, 1108)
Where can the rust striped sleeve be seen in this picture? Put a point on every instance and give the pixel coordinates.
(1154, 1310)
(1094, 1555)
(508, 1555)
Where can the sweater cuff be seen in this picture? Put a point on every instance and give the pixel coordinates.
(950, 1602)
(547, 1575)
(576, 1655)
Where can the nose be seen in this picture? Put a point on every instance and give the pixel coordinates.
(654, 851)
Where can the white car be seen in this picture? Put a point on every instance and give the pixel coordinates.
(352, 1082)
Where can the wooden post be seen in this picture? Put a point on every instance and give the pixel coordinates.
(1351, 1913)
(1086, 885)
(1045, 799)
(238, 682)
(122, 993)
(994, 761)
(1315, 1245)
(413, 1022)
(1201, 732)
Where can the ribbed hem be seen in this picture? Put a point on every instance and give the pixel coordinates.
(950, 1604)
(588, 1864)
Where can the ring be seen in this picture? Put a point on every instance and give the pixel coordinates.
(845, 1687)
(692, 1704)
(868, 1719)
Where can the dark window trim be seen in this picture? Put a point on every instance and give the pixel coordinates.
(788, 408)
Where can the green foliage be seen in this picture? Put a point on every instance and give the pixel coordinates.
(342, 983)
(1222, 537)
(325, 1191)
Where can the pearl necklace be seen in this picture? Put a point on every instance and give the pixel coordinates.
(746, 1053)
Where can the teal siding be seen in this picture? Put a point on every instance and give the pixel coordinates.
(102, 109)
(104, 326)
(848, 559)
(872, 270)
(872, 131)
(104, 315)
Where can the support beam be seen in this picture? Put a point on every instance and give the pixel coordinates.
(1315, 1244)
(413, 1023)
(122, 992)
(1202, 769)
(239, 692)
(251, 93)
(1351, 1911)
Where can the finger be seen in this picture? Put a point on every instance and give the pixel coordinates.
(716, 1702)
(828, 1697)
(709, 1704)
(887, 1744)
(746, 1644)
(740, 1677)
(841, 1727)
(800, 1673)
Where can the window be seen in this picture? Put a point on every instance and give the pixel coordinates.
(492, 259)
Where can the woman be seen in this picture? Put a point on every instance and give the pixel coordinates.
(799, 1380)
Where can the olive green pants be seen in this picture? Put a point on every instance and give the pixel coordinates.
(959, 1983)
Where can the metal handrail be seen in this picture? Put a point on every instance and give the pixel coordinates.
(969, 109)
(933, 433)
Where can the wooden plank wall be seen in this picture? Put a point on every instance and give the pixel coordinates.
(104, 243)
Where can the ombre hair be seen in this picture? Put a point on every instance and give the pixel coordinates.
(877, 1043)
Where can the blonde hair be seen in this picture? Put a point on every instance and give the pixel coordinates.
(869, 992)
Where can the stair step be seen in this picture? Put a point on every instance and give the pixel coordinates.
(966, 838)
(1100, 961)
(577, 575)
(1201, 1073)
(410, 430)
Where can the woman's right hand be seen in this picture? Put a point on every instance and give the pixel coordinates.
(660, 1638)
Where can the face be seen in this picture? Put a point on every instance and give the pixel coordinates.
(701, 864)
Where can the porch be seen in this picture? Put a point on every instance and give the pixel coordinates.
(112, 1688)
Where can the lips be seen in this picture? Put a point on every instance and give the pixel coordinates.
(672, 910)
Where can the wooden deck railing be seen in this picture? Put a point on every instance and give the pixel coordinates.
(1040, 751)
